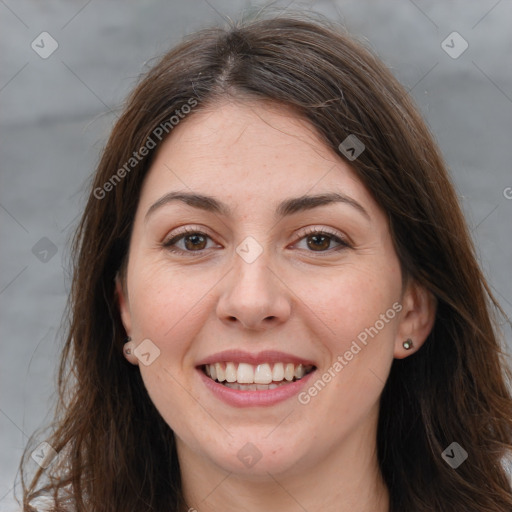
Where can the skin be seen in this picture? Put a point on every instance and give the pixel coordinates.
(292, 298)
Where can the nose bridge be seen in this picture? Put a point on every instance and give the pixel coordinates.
(253, 295)
(252, 262)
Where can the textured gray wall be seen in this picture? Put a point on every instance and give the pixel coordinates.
(57, 112)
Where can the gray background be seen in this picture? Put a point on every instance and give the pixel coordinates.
(57, 112)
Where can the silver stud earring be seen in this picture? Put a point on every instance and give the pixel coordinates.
(127, 347)
(407, 344)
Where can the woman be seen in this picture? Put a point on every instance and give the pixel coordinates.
(276, 304)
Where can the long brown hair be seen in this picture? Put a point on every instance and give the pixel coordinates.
(117, 453)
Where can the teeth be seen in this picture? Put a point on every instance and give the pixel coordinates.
(278, 372)
(299, 371)
(245, 374)
(219, 370)
(259, 377)
(289, 371)
(263, 374)
(230, 372)
(252, 387)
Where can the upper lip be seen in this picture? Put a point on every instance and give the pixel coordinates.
(265, 356)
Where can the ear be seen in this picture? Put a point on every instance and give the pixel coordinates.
(123, 304)
(124, 310)
(416, 318)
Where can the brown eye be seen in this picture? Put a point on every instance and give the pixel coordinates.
(189, 242)
(195, 242)
(319, 242)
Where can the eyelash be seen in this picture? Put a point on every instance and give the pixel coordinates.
(169, 244)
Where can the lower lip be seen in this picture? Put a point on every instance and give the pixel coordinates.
(239, 398)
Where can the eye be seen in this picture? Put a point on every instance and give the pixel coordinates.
(188, 240)
(321, 240)
(313, 240)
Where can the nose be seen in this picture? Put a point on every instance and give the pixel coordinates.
(253, 296)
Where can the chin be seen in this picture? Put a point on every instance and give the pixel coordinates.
(256, 456)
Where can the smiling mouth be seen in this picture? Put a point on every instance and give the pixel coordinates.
(261, 377)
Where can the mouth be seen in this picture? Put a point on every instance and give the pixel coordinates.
(255, 377)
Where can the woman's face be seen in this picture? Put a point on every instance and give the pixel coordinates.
(256, 248)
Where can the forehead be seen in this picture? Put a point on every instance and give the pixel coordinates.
(250, 153)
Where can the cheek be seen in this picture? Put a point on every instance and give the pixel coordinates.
(167, 306)
(348, 302)
(362, 309)
(354, 309)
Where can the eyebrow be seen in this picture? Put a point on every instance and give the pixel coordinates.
(286, 207)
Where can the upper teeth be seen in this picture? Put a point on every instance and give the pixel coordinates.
(265, 373)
